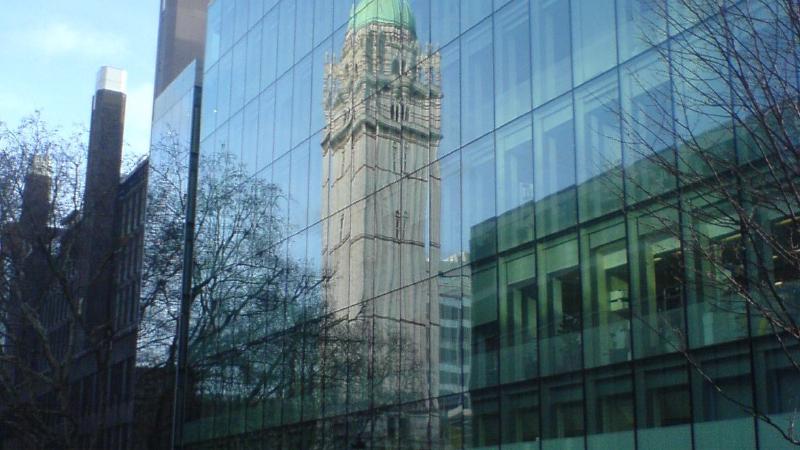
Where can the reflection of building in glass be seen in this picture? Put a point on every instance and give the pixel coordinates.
(495, 273)
(382, 114)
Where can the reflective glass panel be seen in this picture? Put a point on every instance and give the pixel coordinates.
(478, 227)
(512, 71)
(599, 155)
(449, 89)
(554, 166)
(594, 38)
(514, 144)
(477, 102)
(552, 63)
(647, 127)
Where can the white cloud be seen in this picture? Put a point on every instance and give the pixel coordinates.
(138, 112)
(60, 38)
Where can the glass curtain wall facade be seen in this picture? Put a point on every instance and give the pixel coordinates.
(464, 250)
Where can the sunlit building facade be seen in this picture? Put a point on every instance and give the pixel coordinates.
(475, 253)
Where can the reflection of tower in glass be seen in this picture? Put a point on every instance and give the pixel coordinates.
(383, 117)
(382, 114)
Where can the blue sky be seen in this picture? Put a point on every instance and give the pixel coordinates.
(51, 51)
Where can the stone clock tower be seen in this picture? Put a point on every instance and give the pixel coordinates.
(382, 111)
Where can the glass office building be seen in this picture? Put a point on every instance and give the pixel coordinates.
(457, 246)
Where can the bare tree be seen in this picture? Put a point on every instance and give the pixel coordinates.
(710, 131)
(264, 345)
(44, 327)
(245, 286)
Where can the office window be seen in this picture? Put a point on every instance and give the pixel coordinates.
(658, 277)
(482, 300)
(559, 306)
(562, 412)
(518, 318)
(609, 408)
(607, 311)
(662, 402)
(719, 406)
(484, 423)
(716, 274)
(520, 415)
(777, 383)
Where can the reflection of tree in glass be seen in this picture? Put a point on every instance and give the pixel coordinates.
(716, 113)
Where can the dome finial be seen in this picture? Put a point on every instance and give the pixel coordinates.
(388, 12)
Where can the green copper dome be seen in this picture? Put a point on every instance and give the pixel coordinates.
(390, 12)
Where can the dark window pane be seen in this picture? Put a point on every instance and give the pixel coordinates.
(559, 306)
(662, 403)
